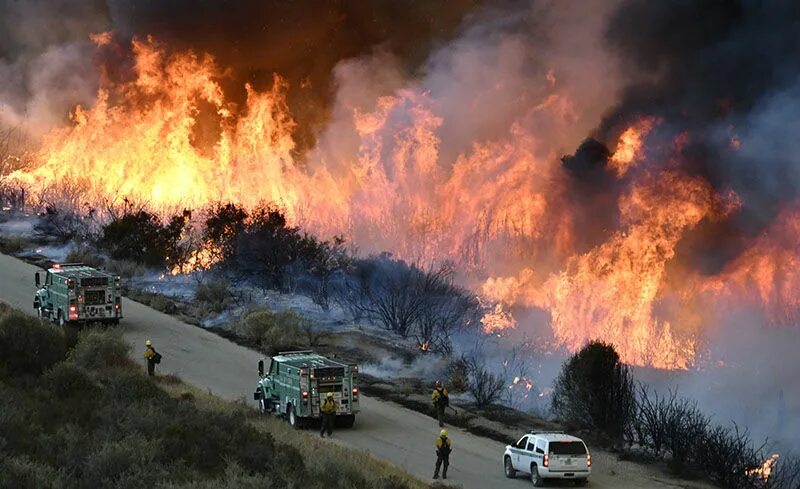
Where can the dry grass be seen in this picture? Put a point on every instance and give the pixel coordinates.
(312, 447)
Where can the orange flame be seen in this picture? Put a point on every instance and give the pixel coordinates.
(629, 148)
(500, 206)
(763, 471)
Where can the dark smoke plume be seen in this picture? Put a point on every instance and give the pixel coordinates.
(717, 69)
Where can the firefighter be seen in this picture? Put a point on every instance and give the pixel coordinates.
(440, 400)
(443, 449)
(152, 357)
(328, 409)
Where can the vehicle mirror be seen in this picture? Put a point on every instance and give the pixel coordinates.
(38, 280)
(261, 368)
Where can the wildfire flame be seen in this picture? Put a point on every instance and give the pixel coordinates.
(764, 470)
(499, 209)
(629, 148)
(522, 383)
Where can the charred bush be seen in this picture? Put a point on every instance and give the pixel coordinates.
(667, 424)
(27, 345)
(58, 226)
(408, 301)
(485, 387)
(726, 454)
(595, 390)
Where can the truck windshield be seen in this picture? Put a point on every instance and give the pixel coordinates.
(567, 448)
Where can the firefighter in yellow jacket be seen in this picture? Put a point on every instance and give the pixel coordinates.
(329, 408)
(152, 357)
(443, 449)
(440, 400)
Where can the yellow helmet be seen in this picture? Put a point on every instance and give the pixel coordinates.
(443, 433)
(148, 343)
(330, 394)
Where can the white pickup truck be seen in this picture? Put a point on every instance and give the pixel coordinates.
(548, 455)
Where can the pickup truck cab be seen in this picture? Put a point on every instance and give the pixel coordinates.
(548, 455)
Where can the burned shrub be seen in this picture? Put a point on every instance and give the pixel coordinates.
(726, 454)
(60, 226)
(326, 260)
(409, 301)
(595, 390)
(486, 388)
(667, 423)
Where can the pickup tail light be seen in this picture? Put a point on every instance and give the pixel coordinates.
(588, 459)
(546, 461)
(73, 312)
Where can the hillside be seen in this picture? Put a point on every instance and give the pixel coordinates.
(76, 412)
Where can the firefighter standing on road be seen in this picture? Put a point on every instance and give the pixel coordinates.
(152, 357)
(440, 400)
(443, 449)
(328, 409)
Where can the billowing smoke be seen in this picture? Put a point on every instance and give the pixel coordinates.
(718, 70)
(46, 60)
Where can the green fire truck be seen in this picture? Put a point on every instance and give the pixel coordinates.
(296, 383)
(73, 293)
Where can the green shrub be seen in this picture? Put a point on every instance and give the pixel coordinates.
(23, 473)
(14, 244)
(214, 295)
(27, 345)
(97, 349)
(125, 463)
(65, 381)
(125, 268)
(82, 254)
(163, 304)
(274, 331)
(595, 390)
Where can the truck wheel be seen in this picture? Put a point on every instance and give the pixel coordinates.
(509, 468)
(291, 416)
(262, 405)
(40, 314)
(535, 477)
(61, 321)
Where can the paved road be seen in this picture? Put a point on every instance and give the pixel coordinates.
(401, 436)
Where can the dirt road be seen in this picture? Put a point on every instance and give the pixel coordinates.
(401, 436)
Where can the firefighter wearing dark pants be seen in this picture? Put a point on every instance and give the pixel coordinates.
(152, 357)
(443, 449)
(328, 409)
(440, 400)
